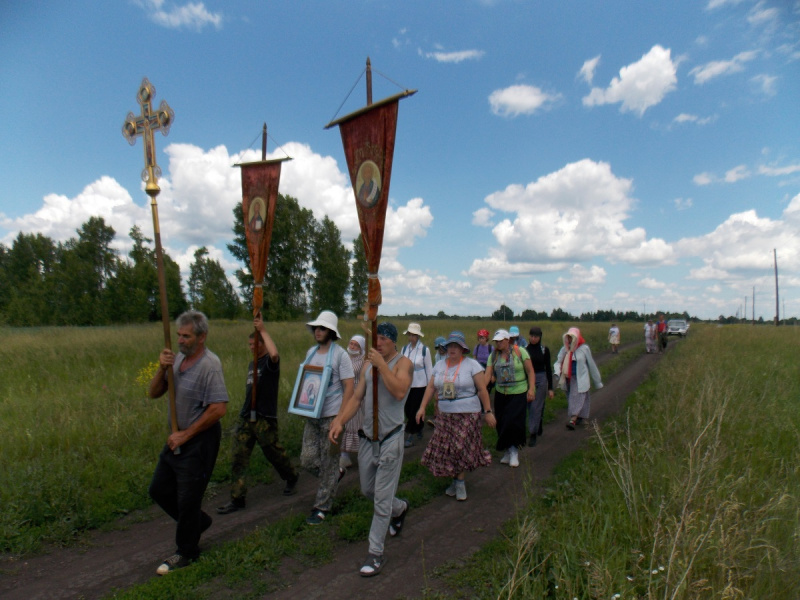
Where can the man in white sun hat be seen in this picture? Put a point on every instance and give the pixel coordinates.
(316, 452)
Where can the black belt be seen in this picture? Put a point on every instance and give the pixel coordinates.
(363, 435)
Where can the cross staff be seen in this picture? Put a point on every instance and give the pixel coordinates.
(144, 125)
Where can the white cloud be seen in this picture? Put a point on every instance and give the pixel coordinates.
(649, 283)
(743, 244)
(703, 178)
(687, 118)
(736, 174)
(569, 216)
(765, 84)
(198, 193)
(192, 15)
(683, 203)
(587, 70)
(717, 68)
(455, 57)
(712, 4)
(640, 85)
(520, 99)
(483, 217)
(762, 15)
(778, 171)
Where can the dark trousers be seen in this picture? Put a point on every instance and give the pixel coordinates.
(179, 483)
(412, 406)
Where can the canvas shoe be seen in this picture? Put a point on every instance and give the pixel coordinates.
(514, 460)
(461, 490)
(173, 563)
(396, 523)
(372, 566)
(451, 489)
(506, 457)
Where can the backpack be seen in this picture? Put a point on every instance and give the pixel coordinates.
(505, 375)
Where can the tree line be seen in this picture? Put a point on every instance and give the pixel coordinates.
(84, 281)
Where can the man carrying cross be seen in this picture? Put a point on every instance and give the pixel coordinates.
(180, 479)
(380, 461)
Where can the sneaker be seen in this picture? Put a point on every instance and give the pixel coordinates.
(532, 440)
(291, 487)
(506, 458)
(514, 460)
(345, 462)
(461, 490)
(451, 489)
(372, 566)
(173, 563)
(231, 507)
(409, 441)
(396, 523)
(316, 517)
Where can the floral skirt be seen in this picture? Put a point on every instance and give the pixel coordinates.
(456, 445)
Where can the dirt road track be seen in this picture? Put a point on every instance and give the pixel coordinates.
(435, 534)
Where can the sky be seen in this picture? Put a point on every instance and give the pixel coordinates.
(583, 155)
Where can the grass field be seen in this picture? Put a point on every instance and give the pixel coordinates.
(79, 438)
(693, 493)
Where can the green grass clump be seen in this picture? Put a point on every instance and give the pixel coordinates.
(692, 493)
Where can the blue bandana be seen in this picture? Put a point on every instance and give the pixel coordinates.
(388, 330)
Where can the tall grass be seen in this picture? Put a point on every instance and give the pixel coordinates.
(693, 493)
(79, 438)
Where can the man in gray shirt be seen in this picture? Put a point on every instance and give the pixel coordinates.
(180, 480)
(380, 460)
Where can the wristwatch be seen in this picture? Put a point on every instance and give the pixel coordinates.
(486, 412)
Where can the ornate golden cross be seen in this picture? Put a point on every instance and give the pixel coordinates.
(144, 125)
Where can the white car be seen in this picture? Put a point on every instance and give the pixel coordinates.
(677, 327)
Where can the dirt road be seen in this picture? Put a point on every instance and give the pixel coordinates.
(440, 532)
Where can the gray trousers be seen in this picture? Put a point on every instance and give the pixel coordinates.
(379, 478)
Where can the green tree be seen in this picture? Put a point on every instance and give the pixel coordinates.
(29, 266)
(287, 277)
(331, 263)
(359, 277)
(209, 289)
(559, 314)
(503, 314)
(86, 265)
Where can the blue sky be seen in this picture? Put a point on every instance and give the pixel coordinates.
(619, 155)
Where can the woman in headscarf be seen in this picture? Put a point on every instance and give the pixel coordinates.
(350, 442)
(574, 366)
(458, 385)
(543, 370)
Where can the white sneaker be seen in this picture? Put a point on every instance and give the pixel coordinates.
(461, 490)
(506, 458)
(451, 489)
(514, 460)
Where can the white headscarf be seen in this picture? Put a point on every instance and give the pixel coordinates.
(361, 343)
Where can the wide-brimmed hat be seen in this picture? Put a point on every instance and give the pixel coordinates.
(326, 319)
(415, 329)
(500, 335)
(513, 331)
(456, 337)
(439, 341)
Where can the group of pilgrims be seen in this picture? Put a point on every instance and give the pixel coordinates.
(457, 378)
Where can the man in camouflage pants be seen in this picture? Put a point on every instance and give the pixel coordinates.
(265, 428)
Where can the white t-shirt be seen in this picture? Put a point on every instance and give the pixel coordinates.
(462, 375)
